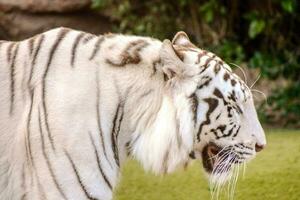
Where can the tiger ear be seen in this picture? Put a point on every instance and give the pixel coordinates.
(172, 64)
(181, 39)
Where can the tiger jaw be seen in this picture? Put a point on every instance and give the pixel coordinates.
(218, 160)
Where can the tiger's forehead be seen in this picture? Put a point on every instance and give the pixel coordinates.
(201, 57)
(209, 62)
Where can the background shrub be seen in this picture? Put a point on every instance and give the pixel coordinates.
(260, 34)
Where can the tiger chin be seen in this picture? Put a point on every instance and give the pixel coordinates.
(74, 106)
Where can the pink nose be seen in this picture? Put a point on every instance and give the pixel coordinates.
(258, 147)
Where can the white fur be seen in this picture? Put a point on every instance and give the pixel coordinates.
(159, 126)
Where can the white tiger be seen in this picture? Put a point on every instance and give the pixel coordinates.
(74, 106)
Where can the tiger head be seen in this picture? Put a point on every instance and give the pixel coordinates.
(226, 127)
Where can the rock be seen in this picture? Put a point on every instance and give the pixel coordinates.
(34, 6)
(18, 25)
(20, 19)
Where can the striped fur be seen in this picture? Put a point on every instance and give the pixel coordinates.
(74, 106)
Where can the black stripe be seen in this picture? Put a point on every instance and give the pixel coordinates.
(97, 46)
(205, 80)
(194, 106)
(74, 48)
(9, 51)
(203, 70)
(226, 76)
(218, 116)
(243, 146)
(48, 160)
(154, 66)
(128, 148)
(120, 122)
(200, 55)
(41, 39)
(217, 67)
(29, 157)
(113, 137)
(12, 79)
(98, 118)
(99, 163)
(222, 129)
(212, 104)
(28, 130)
(88, 37)
(31, 45)
(130, 54)
(208, 61)
(61, 35)
(131, 143)
(40, 189)
(78, 177)
(219, 94)
(23, 86)
(27, 152)
(206, 83)
(144, 95)
(236, 132)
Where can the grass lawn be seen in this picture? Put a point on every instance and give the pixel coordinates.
(274, 174)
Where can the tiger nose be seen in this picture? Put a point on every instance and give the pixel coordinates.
(259, 147)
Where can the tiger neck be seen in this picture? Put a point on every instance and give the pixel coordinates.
(161, 128)
(157, 126)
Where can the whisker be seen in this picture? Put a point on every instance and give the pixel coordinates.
(221, 159)
(244, 74)
(260, 92)
(234, 181)
(218, 174)
(231, 183)
(228, 157)
(224, 148)
(244, 169)
(226, 170)
(258, 77)
(228, 185)
(215, 181)
(236, 178)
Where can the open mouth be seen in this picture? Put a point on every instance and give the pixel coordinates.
(216, 159)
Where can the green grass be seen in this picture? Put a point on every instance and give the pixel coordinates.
(274, 174)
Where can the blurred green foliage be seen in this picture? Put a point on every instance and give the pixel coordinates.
(262, 34)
